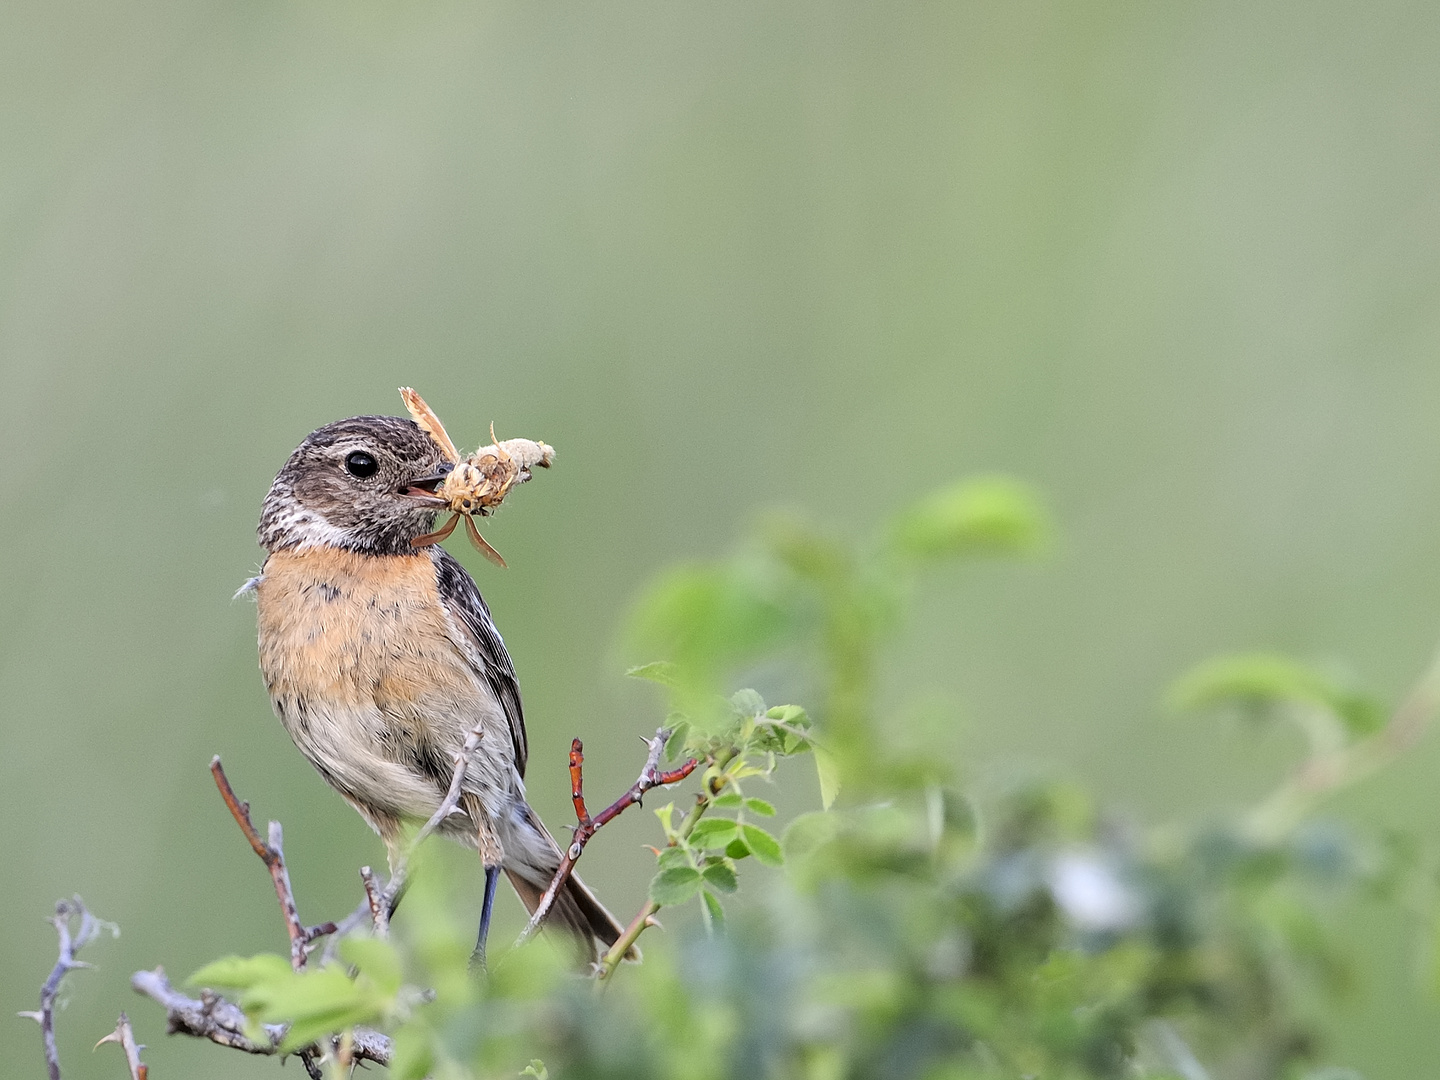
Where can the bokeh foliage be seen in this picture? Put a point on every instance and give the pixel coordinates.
(926, 924)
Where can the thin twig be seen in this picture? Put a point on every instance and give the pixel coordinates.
(611, 960)
(375, 898)
(272, 854)
(398, 876)
(223, 1022)
(586, 826)
(70, 944)
(646, 916)
(359, 917)
(1321, 774)
(125, 1036)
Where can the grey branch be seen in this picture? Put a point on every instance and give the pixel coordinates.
(70, 944)
(223, 1022)
(125, 1036)
(375, 898)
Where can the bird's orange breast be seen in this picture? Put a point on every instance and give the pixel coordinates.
(352, 629)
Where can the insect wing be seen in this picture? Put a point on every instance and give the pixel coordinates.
(423, 415)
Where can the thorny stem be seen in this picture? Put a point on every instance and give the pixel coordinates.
(124, 1034)
(586, 827)
(645, 918)
(375, 898)
(70, 944)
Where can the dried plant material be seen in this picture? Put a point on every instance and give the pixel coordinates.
(479, 482)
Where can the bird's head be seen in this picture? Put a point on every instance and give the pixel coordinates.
(365, 484)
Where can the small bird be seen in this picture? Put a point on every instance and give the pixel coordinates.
(381, 657)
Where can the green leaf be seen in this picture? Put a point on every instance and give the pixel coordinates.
(376, 959)
(714, 907)
(314, 1003)
(666, 814)
(672, 856)
(1263, 679)
(764, 846)
(807, 833)
(712, 833)
(318, 1025)
(657, 671)
(760, 806)
(304, 994)
(675, 885)
(729, 801)
(827, 768)
(414, 1058)
(736, 849)
(748, 703)
(720, 877)
(793, 715)
(675, 745)
(704, 616)
(537, 1069)
(993, 515)
(242, 972)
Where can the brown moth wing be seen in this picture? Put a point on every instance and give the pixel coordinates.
(425, 416)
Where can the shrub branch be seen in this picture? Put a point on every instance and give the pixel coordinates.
(70, 944)
(223, 1022)
(124, 1035)
(272, 854)
(586, 826)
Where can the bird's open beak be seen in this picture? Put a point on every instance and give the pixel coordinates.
(424, 488)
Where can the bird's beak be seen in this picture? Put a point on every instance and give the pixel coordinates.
(424, 488)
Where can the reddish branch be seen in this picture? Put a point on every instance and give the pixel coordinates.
(586, 827)
(69, 946)
(272, 854)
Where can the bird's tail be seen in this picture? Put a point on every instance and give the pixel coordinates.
(530, 861)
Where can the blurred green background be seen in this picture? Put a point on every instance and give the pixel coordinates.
(1177, 264)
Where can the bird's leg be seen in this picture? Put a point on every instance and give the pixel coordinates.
(492, 878)
(491, 856)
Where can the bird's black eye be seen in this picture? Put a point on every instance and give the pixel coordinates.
(361, 464)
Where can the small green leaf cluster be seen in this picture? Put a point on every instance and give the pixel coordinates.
(316, 1002)
(704, 845)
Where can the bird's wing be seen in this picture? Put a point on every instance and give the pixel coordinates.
(481, 643)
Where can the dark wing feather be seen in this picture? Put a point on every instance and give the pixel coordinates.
(462, 599)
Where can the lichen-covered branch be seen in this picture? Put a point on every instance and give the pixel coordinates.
(223, 1022)
(70, 944)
